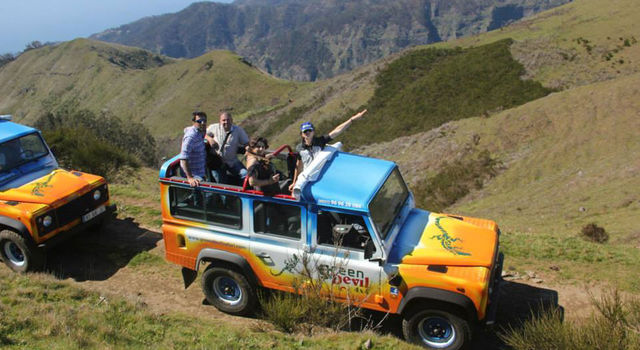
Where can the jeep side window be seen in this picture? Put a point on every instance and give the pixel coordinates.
(354, 233)
(278, 219)
(211, 207)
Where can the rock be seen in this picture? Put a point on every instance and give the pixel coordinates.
(537, 280)
(530, 274)
(582, 209)
(554, 268)
(512, 276)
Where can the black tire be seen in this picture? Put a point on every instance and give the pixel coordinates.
(19, 254)
(436, 329)
(229, 291)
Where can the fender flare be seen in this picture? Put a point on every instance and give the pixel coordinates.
(16, 226)
(439, 295)
(224, 257)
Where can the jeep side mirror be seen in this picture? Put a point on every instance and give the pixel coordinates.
(369, 249)
(341, 230)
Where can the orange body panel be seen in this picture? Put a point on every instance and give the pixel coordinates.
(59, 187)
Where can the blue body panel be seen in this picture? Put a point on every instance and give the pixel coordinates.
(10, 130)
(348, 181)
(409, 235)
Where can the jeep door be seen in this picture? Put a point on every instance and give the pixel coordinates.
(338, 242)
(277, 240)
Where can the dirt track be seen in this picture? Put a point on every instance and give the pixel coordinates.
(99, 262)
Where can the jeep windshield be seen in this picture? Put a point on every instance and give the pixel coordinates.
(388, 202)
(19, 151)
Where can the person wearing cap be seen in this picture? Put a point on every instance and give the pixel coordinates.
(311, 145)
(192, 152)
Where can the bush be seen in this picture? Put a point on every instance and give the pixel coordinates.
(455, 181)
(614, 325)
(129, 138)
(314, 305)
(427, 88)
(82, 150)
(594, 233)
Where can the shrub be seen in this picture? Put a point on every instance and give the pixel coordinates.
(129, 137)
(427, 88)
(80, 149)
(614, 325)
(455, 181)
(314, 305)
(594, 233)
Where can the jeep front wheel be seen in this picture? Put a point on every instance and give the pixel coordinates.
(228, 291)
(18, 253)
(436, 329)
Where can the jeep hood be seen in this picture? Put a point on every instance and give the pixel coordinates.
(53, 186)
(437, 239)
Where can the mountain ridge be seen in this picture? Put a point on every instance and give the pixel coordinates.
(309, 41)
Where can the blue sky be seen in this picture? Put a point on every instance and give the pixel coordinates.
(23, 21)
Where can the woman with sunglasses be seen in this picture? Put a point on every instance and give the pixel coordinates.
(311, 145)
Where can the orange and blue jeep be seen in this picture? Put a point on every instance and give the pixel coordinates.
(354, 218)
(40, 203)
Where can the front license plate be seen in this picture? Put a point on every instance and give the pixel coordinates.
(92, 214)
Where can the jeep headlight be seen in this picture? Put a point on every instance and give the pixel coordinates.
(47, 221)
(97, 194)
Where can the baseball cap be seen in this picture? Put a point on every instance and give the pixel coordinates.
(306, 126)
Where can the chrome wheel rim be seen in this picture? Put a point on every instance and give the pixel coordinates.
(436, 332)
(227, 290)
(15, 255)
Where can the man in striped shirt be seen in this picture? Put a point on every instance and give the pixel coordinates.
(193, 155)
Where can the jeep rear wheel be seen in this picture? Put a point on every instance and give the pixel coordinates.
(228, 291)
(19, 254)
(436, 329)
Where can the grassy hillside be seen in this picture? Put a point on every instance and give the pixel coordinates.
(134, 84)
(575, 44)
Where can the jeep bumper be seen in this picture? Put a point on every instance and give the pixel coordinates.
(65, 235)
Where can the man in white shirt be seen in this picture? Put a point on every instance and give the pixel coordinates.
(226, 139)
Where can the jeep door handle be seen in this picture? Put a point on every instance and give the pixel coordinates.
(263, 255)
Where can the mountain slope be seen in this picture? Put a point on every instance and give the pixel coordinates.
(314, 40)
(135, 84)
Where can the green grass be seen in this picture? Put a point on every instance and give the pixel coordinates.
(147, 259)
(137, 195)
(577, 260)
(37, 311)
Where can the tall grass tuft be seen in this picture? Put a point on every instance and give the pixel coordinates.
(614, 325)
(315, 303)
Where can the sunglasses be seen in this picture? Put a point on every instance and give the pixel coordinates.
(308, 131)
(200, 121)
